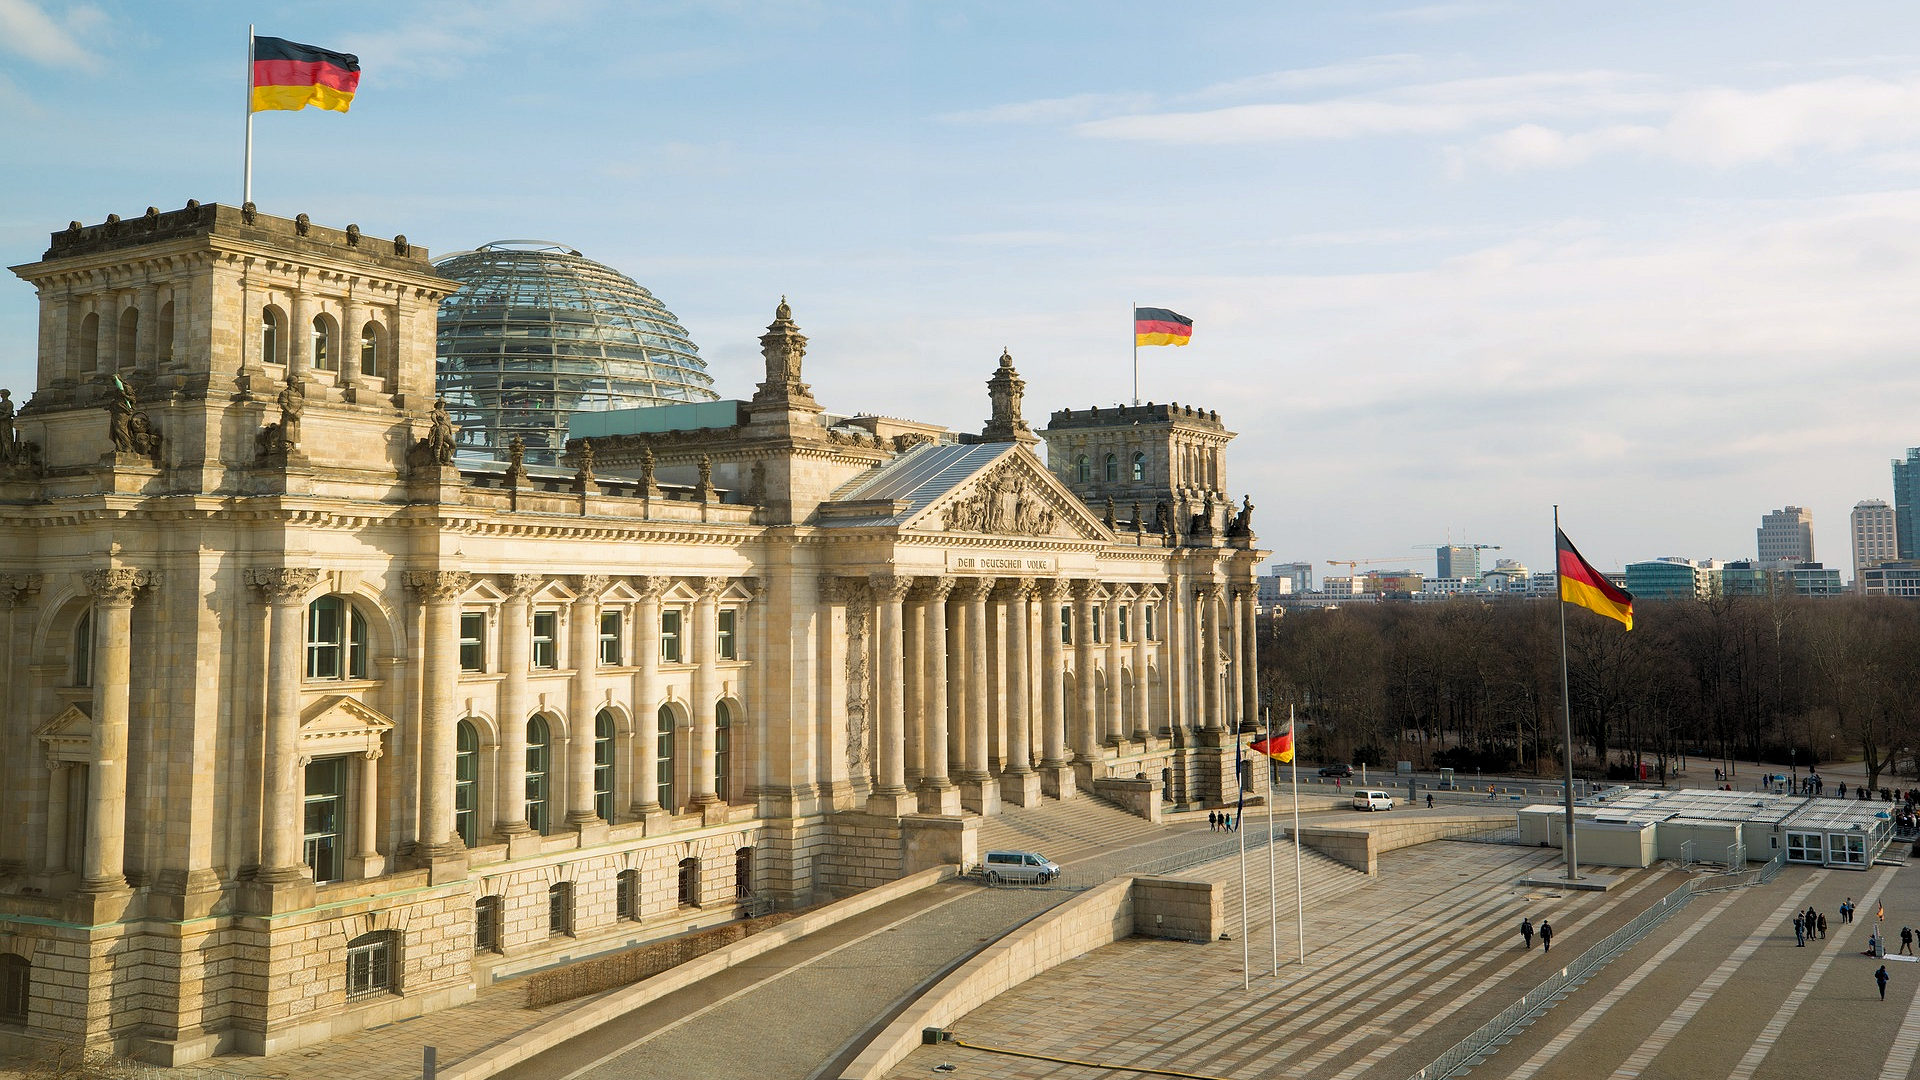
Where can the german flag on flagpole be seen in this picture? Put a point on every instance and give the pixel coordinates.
(289, 75)
(1586, 587)
(1279, 747)
(1158, 326)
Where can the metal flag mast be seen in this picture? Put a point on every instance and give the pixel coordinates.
(1133, 331)
(1566, 699)
(246, 177)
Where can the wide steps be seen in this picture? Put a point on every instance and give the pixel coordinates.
(1064, 829)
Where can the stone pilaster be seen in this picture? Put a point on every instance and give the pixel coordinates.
(286, 590)
(1115, 728)
(938, 795)
(1206, 681)
(25, 781)
(646, 696)
(516, 654)
(440, 592)
(890, 797)
(706, 688)
(585, 624)
(103, 867)
(1085, 737)
(1142, 684)
(1248, 653)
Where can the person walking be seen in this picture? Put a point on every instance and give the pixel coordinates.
(1881, 978)
(1429, 800)
(1823, 926)
(1906, 940)
(1526, 933)
(1799, 930)
(1846, 910)
(1213, 821)
(1546, 936)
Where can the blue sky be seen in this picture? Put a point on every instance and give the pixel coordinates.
(1448, 264)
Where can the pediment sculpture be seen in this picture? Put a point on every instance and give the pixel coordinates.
(1004, 500)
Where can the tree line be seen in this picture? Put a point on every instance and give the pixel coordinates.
(1476, 684)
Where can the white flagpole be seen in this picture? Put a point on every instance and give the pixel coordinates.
(1299, 889)
(246, 178)
(1246, 947)
(1133, 330)
(1273, 870)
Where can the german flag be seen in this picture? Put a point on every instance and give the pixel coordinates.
(1158, 326)
(1279, 747)
(1581, 584)
(289, 75)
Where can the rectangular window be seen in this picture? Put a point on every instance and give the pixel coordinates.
(326, 818)
(560, 909)
(610, 650)
(370, 967)
(545, 633)
(670, 637)
(723, 645)
(486, 924)
(473, 641)
(1098, 631)
(1153, 629)
(1066, 624)
(1126, 631)
(626, 899)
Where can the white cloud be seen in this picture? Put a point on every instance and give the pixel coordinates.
(444, 39)
(1364, 70)
(30, 32)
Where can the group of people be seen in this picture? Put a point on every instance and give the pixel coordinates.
(1808, 923)
(1222, 821)
(1811, 923)
(1546, 934)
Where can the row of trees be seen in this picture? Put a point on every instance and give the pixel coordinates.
(1477, 684)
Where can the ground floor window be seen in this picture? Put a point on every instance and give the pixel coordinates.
(689, 882)
(743, 874)
(16, 987)
(560, 909)
(486, 924)
(1805, 847)
(326, 818)
(627, 895)
(1847, 848)
(370, 964)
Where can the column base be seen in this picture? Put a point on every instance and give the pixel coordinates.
(1021, 788)
(520, 845)
(892, 803)
(362, 867)
(262, 897)
(504, 832)
(592, 831)
(940, 797)
(283, 875)
(1057, 781)
(714, 812)
(982, 796)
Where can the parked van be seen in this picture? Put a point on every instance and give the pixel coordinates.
(1020, 866)
(1372, 799)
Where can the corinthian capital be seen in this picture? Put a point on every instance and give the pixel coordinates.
(522, 586)
(890, 588)
(15, 588)
(932, 588)
(117, 585)
(590, 586)
(283, 584)
(439, 584)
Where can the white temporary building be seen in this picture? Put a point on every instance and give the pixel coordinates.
(1636, 827)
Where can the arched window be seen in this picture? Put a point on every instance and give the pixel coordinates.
(336, 640)
(626, 895)
(466, 783)
(689, 882)
(83, 650)
(273, 335)
(126, 338)
(539, 761)
(89, 358)
(371, 962)
(560, 908)
(372, 351)
(1139, 466)
(743, 874)
(1112, 468)
(1082, 469)
(722, 748)
(16, 987)
(664, 757)
(326, 355)
(163, 334)
(603, 765)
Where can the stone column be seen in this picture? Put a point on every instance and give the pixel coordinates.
(1206, 666)
(978, 792)
(890, 797)
(1086, 723)
(938, 795)
(1116, 725)
(440, 592)
(516, 654)
(586, 660)
(108, 307)
(177, 348)
(145, 356)
(1019, 784)
(366, 855)
(1179, 654)
(282, 818)
(913, 684)
(1142, 685)
(102, 869)
(299, 336)
(1056, 771)
(706, 687)
(353, 315)
(646, 698)
(1249, 653)
(1230, 658)
(24, 792)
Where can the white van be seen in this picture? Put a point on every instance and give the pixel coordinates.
(1372, 799)
(1020, 866)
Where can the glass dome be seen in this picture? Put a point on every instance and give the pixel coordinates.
(537, 331)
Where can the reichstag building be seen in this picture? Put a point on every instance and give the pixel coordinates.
(378, 628)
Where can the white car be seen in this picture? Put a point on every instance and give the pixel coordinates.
(1372, 799)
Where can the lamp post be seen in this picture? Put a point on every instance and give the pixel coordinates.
(1794, 770)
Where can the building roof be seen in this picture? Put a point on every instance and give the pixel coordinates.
(913, 481)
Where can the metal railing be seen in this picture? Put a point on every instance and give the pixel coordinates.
(1542, 997)
(1256, 839)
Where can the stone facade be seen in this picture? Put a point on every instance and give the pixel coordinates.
(311, 725)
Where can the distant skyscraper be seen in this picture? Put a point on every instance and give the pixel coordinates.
(1298, 574)
(1786, 535)
(1906, 502)
(1875, 538)
(1456, 561)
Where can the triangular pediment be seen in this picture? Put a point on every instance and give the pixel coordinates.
(1013, 495)
(338, 724)
(69, 735)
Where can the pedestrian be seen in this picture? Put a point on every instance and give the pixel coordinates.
(1846, 910)
(1526, 933)
(1881, 978)
(1906, 940)
(1489, 791)
(1213, 821)
(1823, 926)
(1546, 936)
(1800, 930)
(1429, 801)
(1843, 789)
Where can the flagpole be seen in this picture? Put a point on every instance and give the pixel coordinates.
(1566, 698)
(1273, 870)
(1239, 813)
(246, 176)
(1133, 328)
(1299, 888)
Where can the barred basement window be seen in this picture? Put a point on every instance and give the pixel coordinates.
(626, 899)
(486, 924)
(370, 965)
(560, 909)
(16, 988)
(743, 874)
(689, 882)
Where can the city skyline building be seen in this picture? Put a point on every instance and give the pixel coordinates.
(1906, 503)
(1875, 533)
(1786, 536)
(1456, 561)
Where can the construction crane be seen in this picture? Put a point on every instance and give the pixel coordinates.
(1350, 564)
(1476, 547)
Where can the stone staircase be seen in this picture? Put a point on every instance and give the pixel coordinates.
(1064, 830)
